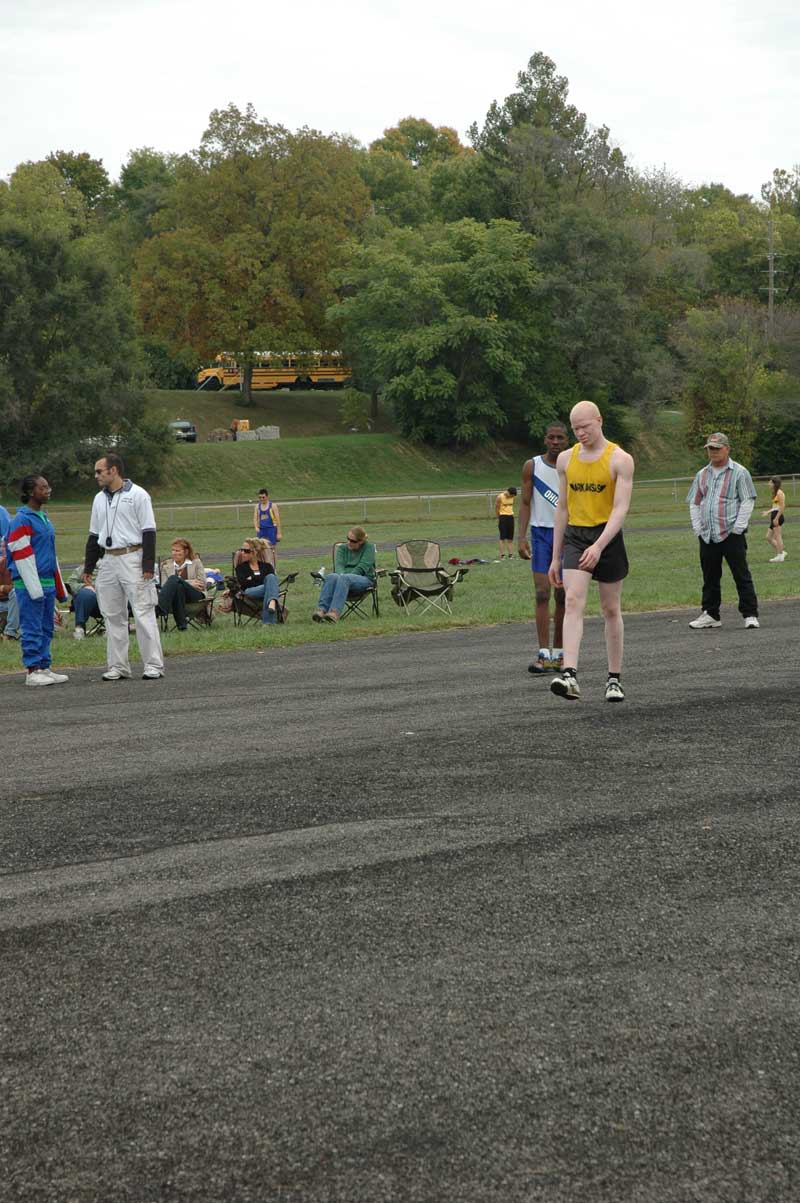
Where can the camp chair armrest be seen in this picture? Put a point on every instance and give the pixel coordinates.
(290, 579)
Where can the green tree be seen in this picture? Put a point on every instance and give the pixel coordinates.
(84, 173)
(400, 194)
(67, 341)
(419, 142)
(725, 354)
(442, 317)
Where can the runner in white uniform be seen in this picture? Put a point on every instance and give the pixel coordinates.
(540, 487)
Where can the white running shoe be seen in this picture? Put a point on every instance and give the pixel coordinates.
(79, 633)
(566, 686)
(152, 674)
(56, 678)
(704, 621)
(614, 691)
(39, 677)
(751, 623)
(779, 558)
(114, 674)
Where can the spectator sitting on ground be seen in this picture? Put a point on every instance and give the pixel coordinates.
(354, 572)
(84, 601)
(183, 579)
(257, 579)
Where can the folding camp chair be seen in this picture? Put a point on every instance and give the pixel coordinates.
(199, 614)
(420, 583)
(95, 625)
(248, 609)
(356, 602)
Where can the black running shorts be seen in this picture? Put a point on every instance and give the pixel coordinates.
(505, 525)
(773, 514)
(613, 562)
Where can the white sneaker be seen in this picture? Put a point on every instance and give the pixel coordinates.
(114, 674)
(705, 620)
(751, 623)
(152, 674)
(56, 678)
(79, 633)
(38, 677)
(779, 558)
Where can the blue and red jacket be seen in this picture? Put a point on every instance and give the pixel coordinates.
(32, 557)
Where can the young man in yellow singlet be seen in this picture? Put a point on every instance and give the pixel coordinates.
(596, 480)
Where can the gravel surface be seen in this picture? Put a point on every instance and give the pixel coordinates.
(388, 921)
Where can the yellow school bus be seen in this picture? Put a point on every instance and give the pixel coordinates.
(314, 369)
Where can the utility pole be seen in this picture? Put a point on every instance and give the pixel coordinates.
(771, 289)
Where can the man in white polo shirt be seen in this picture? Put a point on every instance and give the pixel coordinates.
(122, 536)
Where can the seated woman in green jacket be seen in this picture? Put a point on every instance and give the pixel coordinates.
(354, 572)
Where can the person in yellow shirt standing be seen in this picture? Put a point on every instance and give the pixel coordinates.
(776, 520)
(504, 508)
(596, 481)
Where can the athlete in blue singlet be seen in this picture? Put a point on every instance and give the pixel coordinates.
(267, 520)
(538, 507)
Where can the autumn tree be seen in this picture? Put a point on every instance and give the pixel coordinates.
(248, 240)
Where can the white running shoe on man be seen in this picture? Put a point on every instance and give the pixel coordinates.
(114, 674)
(56, 678)
(751, 623)
(705, 621)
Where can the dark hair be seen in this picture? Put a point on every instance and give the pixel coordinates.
(557, 425)
(776, 481)
(114, 461)
(512, 490)
(260, 491)
(27, 485)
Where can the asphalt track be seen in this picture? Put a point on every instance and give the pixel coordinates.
(386, 920)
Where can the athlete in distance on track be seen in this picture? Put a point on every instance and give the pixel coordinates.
(538, 507)
(596, 480)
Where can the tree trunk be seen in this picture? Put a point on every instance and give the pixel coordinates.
(247, 384)
(373, 405)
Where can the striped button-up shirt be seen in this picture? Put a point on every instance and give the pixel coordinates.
(717, 500)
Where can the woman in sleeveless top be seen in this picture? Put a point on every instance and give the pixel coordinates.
(267, 520)
(776, 520)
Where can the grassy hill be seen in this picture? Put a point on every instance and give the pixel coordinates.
(298, 414)
(315, 457)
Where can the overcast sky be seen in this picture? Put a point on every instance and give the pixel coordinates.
(709, 88)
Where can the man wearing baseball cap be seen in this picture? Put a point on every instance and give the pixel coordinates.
(721, 501)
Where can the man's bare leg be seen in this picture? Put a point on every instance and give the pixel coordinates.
(611, 603)
(576, 588)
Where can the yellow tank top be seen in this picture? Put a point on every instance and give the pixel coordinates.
(590, 489)
(506, 504)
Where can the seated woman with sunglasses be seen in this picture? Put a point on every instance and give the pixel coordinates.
(354, 572)
(257, 579)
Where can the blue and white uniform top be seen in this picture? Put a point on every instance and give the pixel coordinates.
(544, 498)
(33, 563)
(266, 523)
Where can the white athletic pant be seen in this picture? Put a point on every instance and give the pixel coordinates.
(119, 581)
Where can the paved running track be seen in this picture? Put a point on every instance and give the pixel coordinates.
(387, 921)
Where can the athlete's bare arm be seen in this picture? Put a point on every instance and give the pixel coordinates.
(621, 466)
(523, 544)
(560, 523)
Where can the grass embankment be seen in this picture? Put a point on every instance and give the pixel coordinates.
(299, 414)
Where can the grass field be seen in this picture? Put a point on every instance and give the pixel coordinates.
(663, 553)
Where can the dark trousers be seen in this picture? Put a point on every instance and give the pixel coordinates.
(734, 551)
(173, 596)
